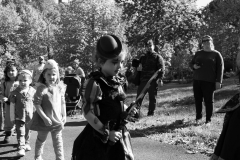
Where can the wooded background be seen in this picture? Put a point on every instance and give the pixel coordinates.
(65, 31)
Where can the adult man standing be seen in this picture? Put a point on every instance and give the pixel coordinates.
(37, 70)
(149, 64)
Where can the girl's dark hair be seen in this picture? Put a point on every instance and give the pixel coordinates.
(41, 78)
(99, 59)
(9, 66)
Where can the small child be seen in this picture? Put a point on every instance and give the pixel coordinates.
(68, 71)
(10, 84)
(103, 106)
(51, 110)
(21, 110)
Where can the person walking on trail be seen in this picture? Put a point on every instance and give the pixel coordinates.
(21, 106)
(37, 70)
(102, 139)
(149, 64)
(10, 83)
(207, 65)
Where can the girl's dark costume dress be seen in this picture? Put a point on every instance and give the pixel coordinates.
(104, 96)
(228, 145)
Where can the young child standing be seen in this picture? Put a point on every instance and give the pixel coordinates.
(50, 105)
(10, 84)
(21, 110)
(103, 106)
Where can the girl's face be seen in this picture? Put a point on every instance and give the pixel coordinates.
(112, 66)
(12, 73)
(51, 76)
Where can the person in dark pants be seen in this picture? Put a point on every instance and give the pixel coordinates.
(149, 64)
(208, 66)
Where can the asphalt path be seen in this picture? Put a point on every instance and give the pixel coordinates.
(143, 148)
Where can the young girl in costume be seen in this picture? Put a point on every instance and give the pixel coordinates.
(21, 109)
(228, 144)
(103, 107)
(10, 84)
(51, 110)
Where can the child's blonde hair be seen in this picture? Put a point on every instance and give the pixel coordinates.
(50, 64)
(26, 73)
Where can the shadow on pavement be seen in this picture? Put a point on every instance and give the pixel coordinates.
(165, 128)
(7, 145)
(10, 158)
(71, 124)
(135, 134)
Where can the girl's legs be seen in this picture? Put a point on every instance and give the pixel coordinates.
(58, 144)
(8, 125)
(41, 138)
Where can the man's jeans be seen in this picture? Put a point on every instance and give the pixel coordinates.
(204, 91)
(57, 143)
(23, 134)
(152, 93)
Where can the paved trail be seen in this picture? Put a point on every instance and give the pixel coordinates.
(144, 148)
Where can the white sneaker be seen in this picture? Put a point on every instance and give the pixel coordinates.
(21, 152)
(28, 147)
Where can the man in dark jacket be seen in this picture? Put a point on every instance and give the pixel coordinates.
(149, 64)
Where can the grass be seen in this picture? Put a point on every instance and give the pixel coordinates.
(174, 119)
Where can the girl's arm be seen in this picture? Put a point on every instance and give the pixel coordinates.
(62, 90)
(12, 111)
(94, 122)
(2, 97)
(64, 111)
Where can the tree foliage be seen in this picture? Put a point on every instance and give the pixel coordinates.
(70, 30)
(222, 23)
(169, 23)
(82, 23)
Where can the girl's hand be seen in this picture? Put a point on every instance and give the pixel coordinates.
(133, 111)
(47, 122)
(4, 99)
(114, 136)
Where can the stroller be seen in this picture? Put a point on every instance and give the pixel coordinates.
(73, 93)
